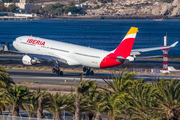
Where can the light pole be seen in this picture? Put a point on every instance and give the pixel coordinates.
(64, 112)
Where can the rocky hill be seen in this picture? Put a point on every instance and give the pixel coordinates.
(168, 8)
(135, 7)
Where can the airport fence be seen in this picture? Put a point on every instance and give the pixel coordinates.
(4, 117)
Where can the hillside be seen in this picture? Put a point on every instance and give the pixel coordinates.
(170, 8)
(136, 7)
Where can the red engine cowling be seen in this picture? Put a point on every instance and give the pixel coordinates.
(28, 60)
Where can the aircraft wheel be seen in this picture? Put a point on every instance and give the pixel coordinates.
(84, 69)
(61, 73)
(92, 72)
(53, 70)
(57, 73)
(87, 73)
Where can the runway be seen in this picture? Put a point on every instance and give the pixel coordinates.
(47, 77)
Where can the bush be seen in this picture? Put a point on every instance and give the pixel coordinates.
(54, 9)
(105, 1)
(168, 1)
(97, 7)
(73, 10)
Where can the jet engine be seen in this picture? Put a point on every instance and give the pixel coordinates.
(130, 58)
(28, 60)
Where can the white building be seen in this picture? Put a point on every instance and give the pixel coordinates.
(23, 5)
(81, 5)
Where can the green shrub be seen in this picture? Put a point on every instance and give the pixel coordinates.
(168, 1)
(73, 10)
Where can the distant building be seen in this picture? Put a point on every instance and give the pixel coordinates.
(84, 5)
(6, 14)
(81, 5)
(25, 7)
(69, 13)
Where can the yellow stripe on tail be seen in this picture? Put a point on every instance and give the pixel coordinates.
(132, 31)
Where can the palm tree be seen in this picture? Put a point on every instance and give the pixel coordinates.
(141, 101)
(98, 105)
(80, 90)
(120, 83)
(118, 87)
(94, 103)
(32, 104)
(3, 103)
(5, 80)
(71, 108)
(5, 83)
(115, 104)
(15, 97)
(56, 102)
(41, 96)
(168, 97)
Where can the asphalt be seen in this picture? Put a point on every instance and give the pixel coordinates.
(47, 77)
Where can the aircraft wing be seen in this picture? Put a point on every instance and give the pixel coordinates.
(48, 58)
(40, 57)
(137, 51)
(43, 57)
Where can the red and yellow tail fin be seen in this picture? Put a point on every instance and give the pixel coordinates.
(125, 47)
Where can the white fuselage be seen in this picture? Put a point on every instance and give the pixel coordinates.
(72, 54)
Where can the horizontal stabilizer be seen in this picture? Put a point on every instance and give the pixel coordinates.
(174, 44)
(171, 68)
(155, 48)
(148, 57)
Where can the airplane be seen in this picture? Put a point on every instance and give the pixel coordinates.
(35, 49)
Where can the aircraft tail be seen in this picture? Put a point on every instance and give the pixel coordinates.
(125, 47)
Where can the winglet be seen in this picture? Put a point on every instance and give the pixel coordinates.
(174, 44)
(125, 47)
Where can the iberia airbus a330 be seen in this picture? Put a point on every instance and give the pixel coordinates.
(36, 49)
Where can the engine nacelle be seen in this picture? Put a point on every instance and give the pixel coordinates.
(28, 60)
(130, 58)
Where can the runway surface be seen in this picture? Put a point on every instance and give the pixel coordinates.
(47, 77)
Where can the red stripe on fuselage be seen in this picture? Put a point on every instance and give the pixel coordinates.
(108, 61)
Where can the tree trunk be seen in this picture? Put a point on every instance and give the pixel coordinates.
(172, 115)
(32, 115)
(77, 112)
(15, 110)
(90, 116)
(40, 108)
(110, 117)
(98, 116)
(0, 111)
(54, 118)
(73, 116)
(58, 115)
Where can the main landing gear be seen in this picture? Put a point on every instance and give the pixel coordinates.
(88, 71)
(57, 71)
